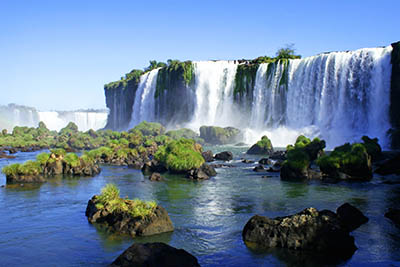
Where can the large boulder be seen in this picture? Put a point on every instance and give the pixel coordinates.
(220, 136)
(155, 176)
(373, 148)
(122, 221)
(309, 230)
(225, 156)
(155, 255)
(350, 216)
(348, 162)
(150, 128)
(264, 146)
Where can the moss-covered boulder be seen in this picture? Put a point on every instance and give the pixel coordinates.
(347, 162)
(180, 156)
(220, 136)
(299, 158)
(184, 133)
(373, 148)
(125, 216)
(264, 146)
(150, 128)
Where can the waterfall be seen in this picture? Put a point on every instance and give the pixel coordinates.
(85, 120)
(214, 81)
(144, 104)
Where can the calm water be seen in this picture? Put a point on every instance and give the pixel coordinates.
(45, 225)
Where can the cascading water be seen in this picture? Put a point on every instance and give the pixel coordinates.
(85, 121)
(337, 96)
(144, 104)
(214, 82)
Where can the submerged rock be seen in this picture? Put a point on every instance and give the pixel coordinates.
(225, 155)
(259, 168)
(247, 161)
(310, 230)
(155, 176)
(155, 255)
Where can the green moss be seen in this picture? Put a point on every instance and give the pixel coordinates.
(245, 78)
(111, 200)
(73, 160)
(58, 152)
(150, 128)
(42, 158)
(265, 143)
(169, 76)
(298, 159)
(11, 170)
(180, 155)
(285, 73)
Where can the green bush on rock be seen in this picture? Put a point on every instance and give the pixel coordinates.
(180, 155)
(219, 136)
(264, 146)
(150, 128)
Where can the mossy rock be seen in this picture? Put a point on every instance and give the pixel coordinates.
(373, 147)
(150, 128)
(264, 146)
(347, 162)
(220, 136)
(184, 133)
(180, 155)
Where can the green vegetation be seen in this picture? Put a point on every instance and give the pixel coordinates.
(349, 159)
(245, 78)
(28, 168)
(265, 143)
(287, 52)
(218, 135)
(169, 76)
(264, 146)
(184, 133)
(110, 199)
(150, 128)
(180, 155)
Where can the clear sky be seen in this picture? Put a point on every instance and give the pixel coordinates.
(59, 54)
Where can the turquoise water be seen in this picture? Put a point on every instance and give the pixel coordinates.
(45, 225)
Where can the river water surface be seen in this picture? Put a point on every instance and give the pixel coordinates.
(45, 225)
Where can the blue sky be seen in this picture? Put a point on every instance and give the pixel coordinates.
(59, 54)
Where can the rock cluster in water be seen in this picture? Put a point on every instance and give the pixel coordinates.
(310, 230)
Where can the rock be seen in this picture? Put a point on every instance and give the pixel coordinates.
(226, 156)
(3, 155)
(202, 173)
(208, 156)
(155, 176)
(220, 136)
(264, 146)
(12, 150)
(350, 216)
(122, 222)
(54, 168)
(259, 168)
(155, 255)
(222, 166)
(21, 179)
(278, 155)
(288, 173)
(373, 147)
(247, 161)
(394, 215)
(264, 161)
(309, 230)
(391, 166)
(153, 166)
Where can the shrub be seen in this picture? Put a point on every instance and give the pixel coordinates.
(150, 128)
(72, 159)
(42, 158)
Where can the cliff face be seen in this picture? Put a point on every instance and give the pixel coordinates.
(395, 96)
(119, 99)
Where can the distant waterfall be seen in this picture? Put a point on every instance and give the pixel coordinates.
(85, 120)
(144, 104)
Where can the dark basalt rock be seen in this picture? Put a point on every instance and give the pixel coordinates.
(394, 215)
(124, 223)
(21, 179)
(155, 176)
(155, 255)
(225, 155)
(259, 168)
(4, 155)
(278, 155)
(264, 146)
(390, 166)
(247, 161)
(309, 230)
(153, 166)
(216, 166)
(208, 156)
(293, 174)
(350, 216)
(202, 173)
(264, 161)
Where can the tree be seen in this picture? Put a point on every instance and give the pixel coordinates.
(287, 52)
